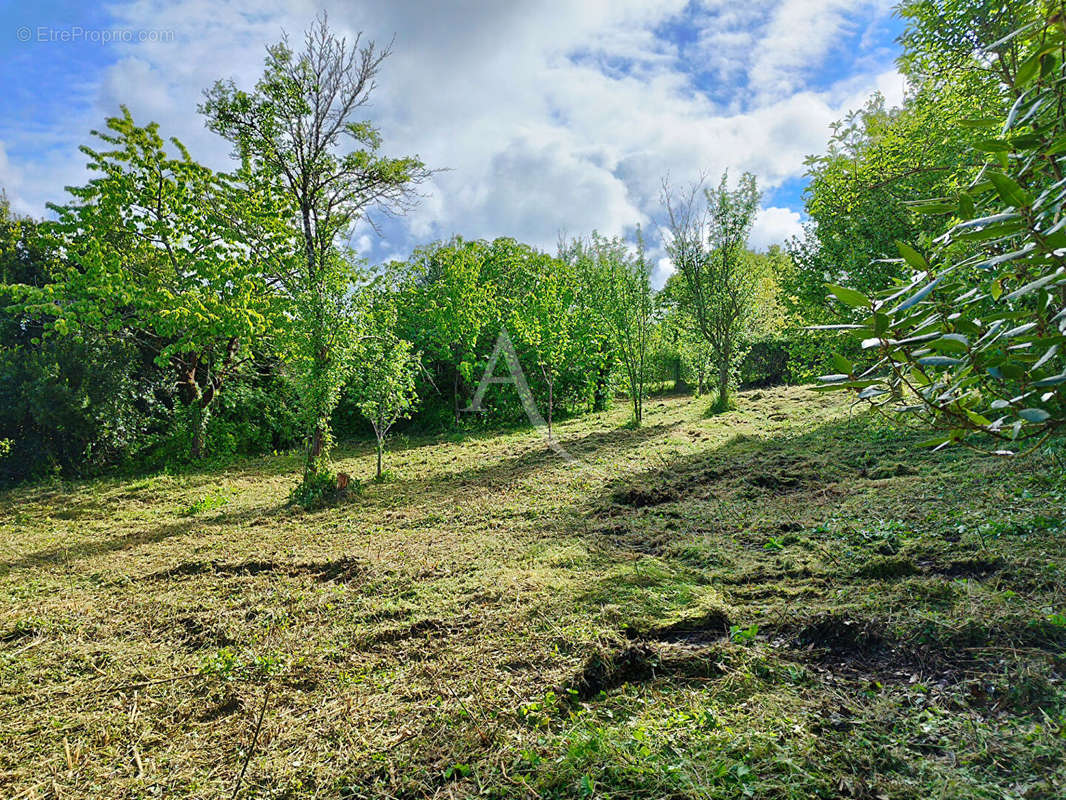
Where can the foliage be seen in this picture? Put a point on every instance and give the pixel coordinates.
(150, 258)
(856, 199)
(384, 378)
(616, 285)
(969, 340)
(446, 303)
(318, 488)
(708, 248)
(545, 319)
(289, 132)
(68, 406)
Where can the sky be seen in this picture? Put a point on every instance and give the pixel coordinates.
(544, 117)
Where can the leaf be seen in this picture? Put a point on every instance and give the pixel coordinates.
(1033, 286)
(1029, 69)
(939, 361)
(918, 296)
(912, 256)
(849, 297)
(951, 343)
(978, 419)
(1009, 191)
(843, 364)
(1055, 380)
(1036, 415)
(966, 206)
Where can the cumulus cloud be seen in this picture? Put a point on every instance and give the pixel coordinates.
(775, 226)
(549, 115)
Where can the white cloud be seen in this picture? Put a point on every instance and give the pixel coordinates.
(550, 115)
(775, 226)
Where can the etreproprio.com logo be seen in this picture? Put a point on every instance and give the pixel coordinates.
(77, 34)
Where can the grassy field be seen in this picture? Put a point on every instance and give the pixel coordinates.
(787, 600)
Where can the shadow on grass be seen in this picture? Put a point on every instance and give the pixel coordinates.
(63, 555)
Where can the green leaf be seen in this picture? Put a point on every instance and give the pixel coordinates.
(1036, 415)
(849, 297)
(912, 256)
(951, 343)
(939, 361)
(1009, 190)
(1054, 380)
(966, 206)
(843, 364)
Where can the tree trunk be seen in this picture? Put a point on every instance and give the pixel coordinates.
(379, 458)
(723, 384)
(550, 403)
(455, 393)
(199, 432)
(319, 367)
(318, 440)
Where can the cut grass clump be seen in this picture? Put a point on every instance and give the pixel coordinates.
(888, 567)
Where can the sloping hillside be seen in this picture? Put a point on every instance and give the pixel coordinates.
(787, 600)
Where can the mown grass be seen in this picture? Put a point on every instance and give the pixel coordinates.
(784, 600)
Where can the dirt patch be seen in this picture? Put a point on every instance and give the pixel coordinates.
(644, 497)
(965, 567)
(699, 630)
(342, 569)
(199, 636)
(18, 633)
(230, 704)
(603, 672)
(842, 635)
(888, 567)
(685, 648)
(880, 472)
(784, 473)
(422, 628)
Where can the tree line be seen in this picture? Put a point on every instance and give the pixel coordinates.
(168, 312)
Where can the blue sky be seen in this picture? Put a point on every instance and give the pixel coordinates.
(550, 116)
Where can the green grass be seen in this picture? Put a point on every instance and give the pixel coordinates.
(784, 600)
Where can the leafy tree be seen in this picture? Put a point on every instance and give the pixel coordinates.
(708, 246)
(857, 198)
(970, 341)
(384, 378)
(65, 406)
(447, 303)
(618, 285)
(545, 318)
(290, 131)
(151, 256)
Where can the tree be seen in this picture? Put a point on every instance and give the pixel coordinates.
(544, 318)
(384, 378)
(152, 256)
(618, 284)
(708, 246)
(857, 197)
(970, 339)
(65, 405)
(290, 131)
(447, 301)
